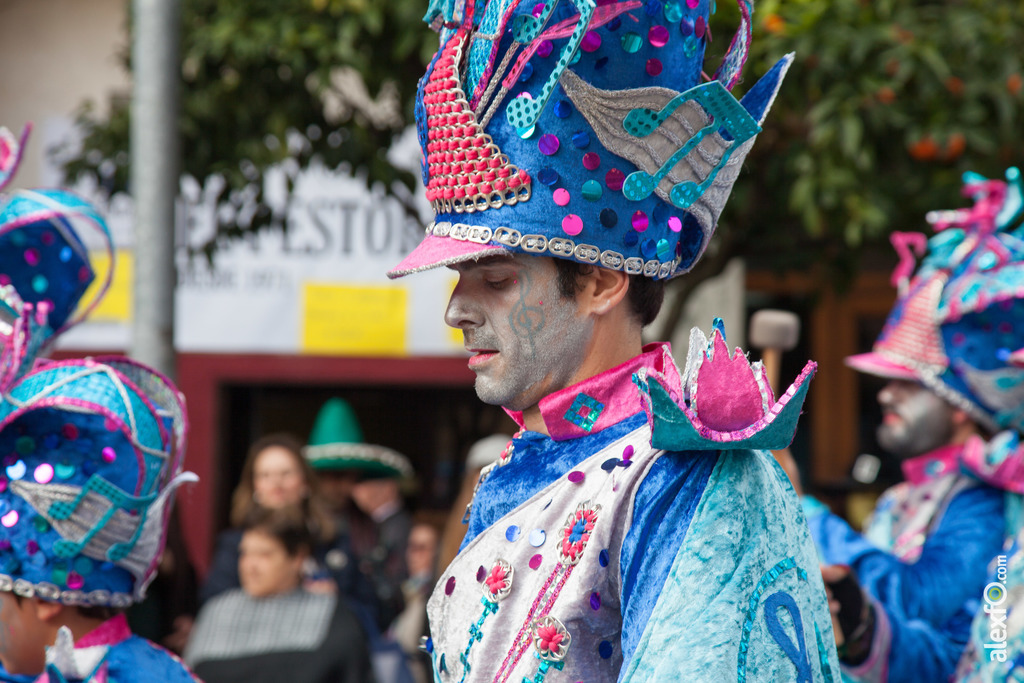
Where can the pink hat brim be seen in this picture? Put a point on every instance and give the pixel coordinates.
(435, 251)
(876, 364)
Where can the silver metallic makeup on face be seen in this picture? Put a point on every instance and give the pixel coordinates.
(526, 339)
(914, 420)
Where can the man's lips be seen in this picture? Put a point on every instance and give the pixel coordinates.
(480, 356)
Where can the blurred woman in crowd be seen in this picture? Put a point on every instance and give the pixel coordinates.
(275, 476)
(272, 628)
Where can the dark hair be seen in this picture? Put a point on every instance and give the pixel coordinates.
(645, 295)
(286, 525)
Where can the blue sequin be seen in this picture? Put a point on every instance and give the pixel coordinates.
(563, 109)
(603, 558)
(548, 176)
(526, 73)
(605, 649)
(630, 239)
(608, 218)
(581, 139)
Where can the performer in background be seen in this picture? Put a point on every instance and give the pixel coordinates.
(576, 159)
(93, 454)
(910, 585)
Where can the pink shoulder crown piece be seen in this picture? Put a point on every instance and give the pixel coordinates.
(727, 402)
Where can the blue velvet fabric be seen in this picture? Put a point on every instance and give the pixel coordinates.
(930, 602)
(664, 506)
(136, 660)
(744, 600)
(13, 678)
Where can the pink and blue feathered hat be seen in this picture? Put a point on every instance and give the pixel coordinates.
(583, 131)
(960, 319)
(90, 449)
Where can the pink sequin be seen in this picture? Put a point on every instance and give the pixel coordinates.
(614, 179)
(572, 225)
(692, 4)
(658, 36)
(545, 48)
(535, 561)
(699, 26)
(561, 196)
(10, 519)
(674, 224)
(75, 581)
(32, 257)
(591, 41)
(43, 474)
(591, 161)
(84, 274)
(69, 431)
(653, 67)
(109, 454)
(639, 221)
(576, 476)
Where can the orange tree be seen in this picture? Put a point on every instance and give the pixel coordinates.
(887, 103)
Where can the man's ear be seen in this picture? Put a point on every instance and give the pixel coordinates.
(46, 611)
(604, 290)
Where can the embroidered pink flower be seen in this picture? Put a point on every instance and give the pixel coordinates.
(549, 638)
(496, 579)
(498, 582)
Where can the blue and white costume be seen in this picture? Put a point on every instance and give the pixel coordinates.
(598, 555)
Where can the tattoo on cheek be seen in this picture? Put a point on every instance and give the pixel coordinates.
(525, 320)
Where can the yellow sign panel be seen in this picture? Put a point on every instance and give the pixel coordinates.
(116, 305)
(454, 333)
(347, 320)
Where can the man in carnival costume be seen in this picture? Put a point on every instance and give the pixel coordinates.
(576, 159)
(92, 455)
(909, 586)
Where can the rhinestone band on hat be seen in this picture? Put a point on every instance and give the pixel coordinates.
(49, 591)
(555, 246)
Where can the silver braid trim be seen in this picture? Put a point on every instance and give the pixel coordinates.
(560, 247)
(53, 593)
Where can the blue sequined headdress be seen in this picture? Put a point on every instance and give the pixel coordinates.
(583, 131)
(91, 448)
(960, 318)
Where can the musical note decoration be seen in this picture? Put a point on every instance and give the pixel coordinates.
(523, 111)
(724, 115)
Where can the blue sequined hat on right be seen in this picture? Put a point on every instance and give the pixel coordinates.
(581, 130)
(960, 318)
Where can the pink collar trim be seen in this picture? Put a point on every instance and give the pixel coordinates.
(937, 463)
(603, 400)
(110, 632)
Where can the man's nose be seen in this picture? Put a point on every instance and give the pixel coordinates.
(461, 313)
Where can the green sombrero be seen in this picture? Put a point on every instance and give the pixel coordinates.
(336, 445)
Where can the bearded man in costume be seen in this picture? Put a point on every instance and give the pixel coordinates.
(910, 585)
(576, 159)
